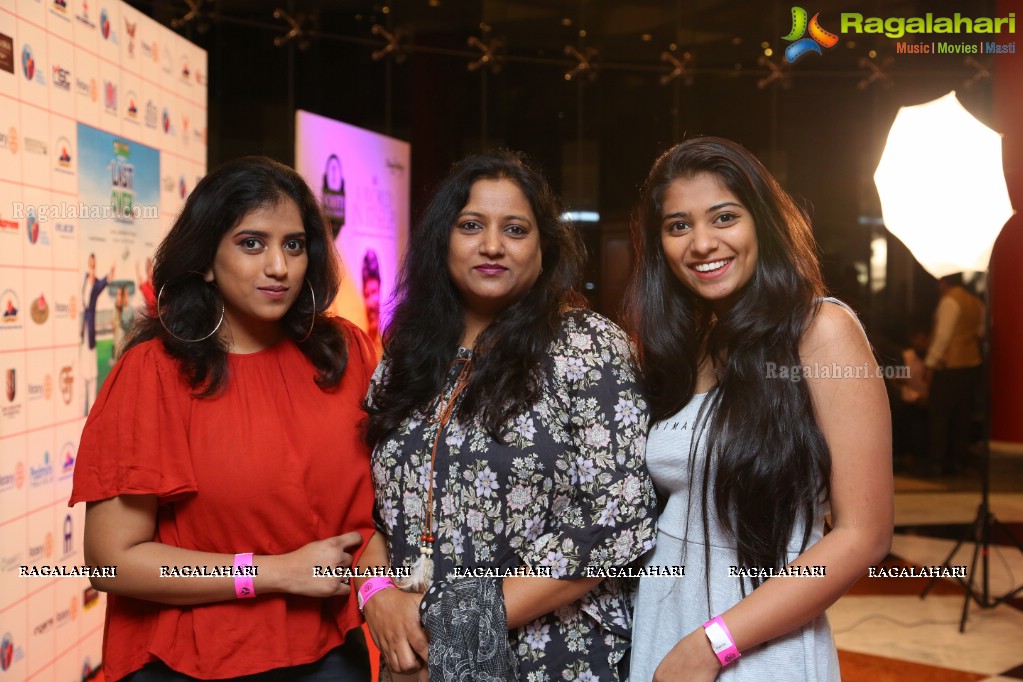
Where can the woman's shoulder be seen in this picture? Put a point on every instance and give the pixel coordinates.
(151, 354)
(360, 348)
(581, 328)
(833, 328)
(588, 339)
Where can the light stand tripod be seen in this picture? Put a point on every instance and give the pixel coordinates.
(979, 531)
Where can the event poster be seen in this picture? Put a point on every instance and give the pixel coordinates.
(119, 195)
(361, 180)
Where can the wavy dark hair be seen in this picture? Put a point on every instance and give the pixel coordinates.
(773, 464)
(511, 353)
(190, 306)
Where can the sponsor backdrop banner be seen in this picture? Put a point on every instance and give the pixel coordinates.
(362, 181)
(102, 136)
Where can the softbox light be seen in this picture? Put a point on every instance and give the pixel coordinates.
(942, 187)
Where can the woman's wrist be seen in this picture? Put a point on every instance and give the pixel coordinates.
(708, 660)
(268, 574)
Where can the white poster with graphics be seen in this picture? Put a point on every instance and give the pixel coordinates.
(361, 179)
(94, 97)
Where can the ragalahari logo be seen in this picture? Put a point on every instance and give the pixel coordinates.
(818, 38)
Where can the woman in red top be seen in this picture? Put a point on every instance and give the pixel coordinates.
(225, 443)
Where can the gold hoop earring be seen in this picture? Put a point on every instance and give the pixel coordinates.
(159, 316)
(312, 322)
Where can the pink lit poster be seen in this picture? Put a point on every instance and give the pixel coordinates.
(361, 179)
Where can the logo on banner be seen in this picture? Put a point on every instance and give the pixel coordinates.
(166, 62)
(66, 383)
(67, 465)
(104, 23)
(132, 110)
(110, 96)
(333, 200)
(6, 53)
(34, 146)
(122, 183)
(182, 189)
(186, 73)
(62, 78)
(81, 87)
(60, 5)
(8, 310)
(90, 597)
(39, 311)
(83, 18)
(69, 310)
(13, 481)
(152, 114)
(28, 65)
(32, 226)
(63, 153)
(129, 28)
(9, 654)
(11, 384)
(10, 140)
(166, 121)
(41, 475)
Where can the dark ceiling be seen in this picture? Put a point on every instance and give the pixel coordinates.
(819, 124)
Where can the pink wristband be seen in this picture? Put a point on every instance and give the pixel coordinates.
(243, 586)
(721, 640)
(371, 587)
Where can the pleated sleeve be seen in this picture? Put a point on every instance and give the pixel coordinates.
(135, 441)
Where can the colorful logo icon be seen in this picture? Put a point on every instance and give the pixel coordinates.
(104, 23)
(69, 459)
(28, 62)
(6, 652)
(32, 226)
(110, 95)
(819, 37)
(63, 155)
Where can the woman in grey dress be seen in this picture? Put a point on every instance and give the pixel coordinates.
(769, 415)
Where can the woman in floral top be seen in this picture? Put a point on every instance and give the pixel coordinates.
(509, 432)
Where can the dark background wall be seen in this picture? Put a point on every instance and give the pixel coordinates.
(820, 128)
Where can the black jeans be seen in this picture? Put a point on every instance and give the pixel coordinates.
(347, 663)
(950, 403)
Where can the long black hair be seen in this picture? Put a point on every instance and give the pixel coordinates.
(190, 306)
(772, 463)
(428, 322)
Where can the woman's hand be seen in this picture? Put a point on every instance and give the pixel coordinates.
(393, 619)
(119, 532)
(294, 572)
(692, 659)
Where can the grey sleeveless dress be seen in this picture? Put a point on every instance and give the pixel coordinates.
(668, 609)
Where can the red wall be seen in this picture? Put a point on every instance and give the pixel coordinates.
(1007, 259)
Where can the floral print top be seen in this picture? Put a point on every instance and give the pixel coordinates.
(568, 490)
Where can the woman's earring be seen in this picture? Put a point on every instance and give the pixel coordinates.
(312, 322)
(159, 316)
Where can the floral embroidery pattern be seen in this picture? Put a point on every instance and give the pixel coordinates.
(567, 489)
